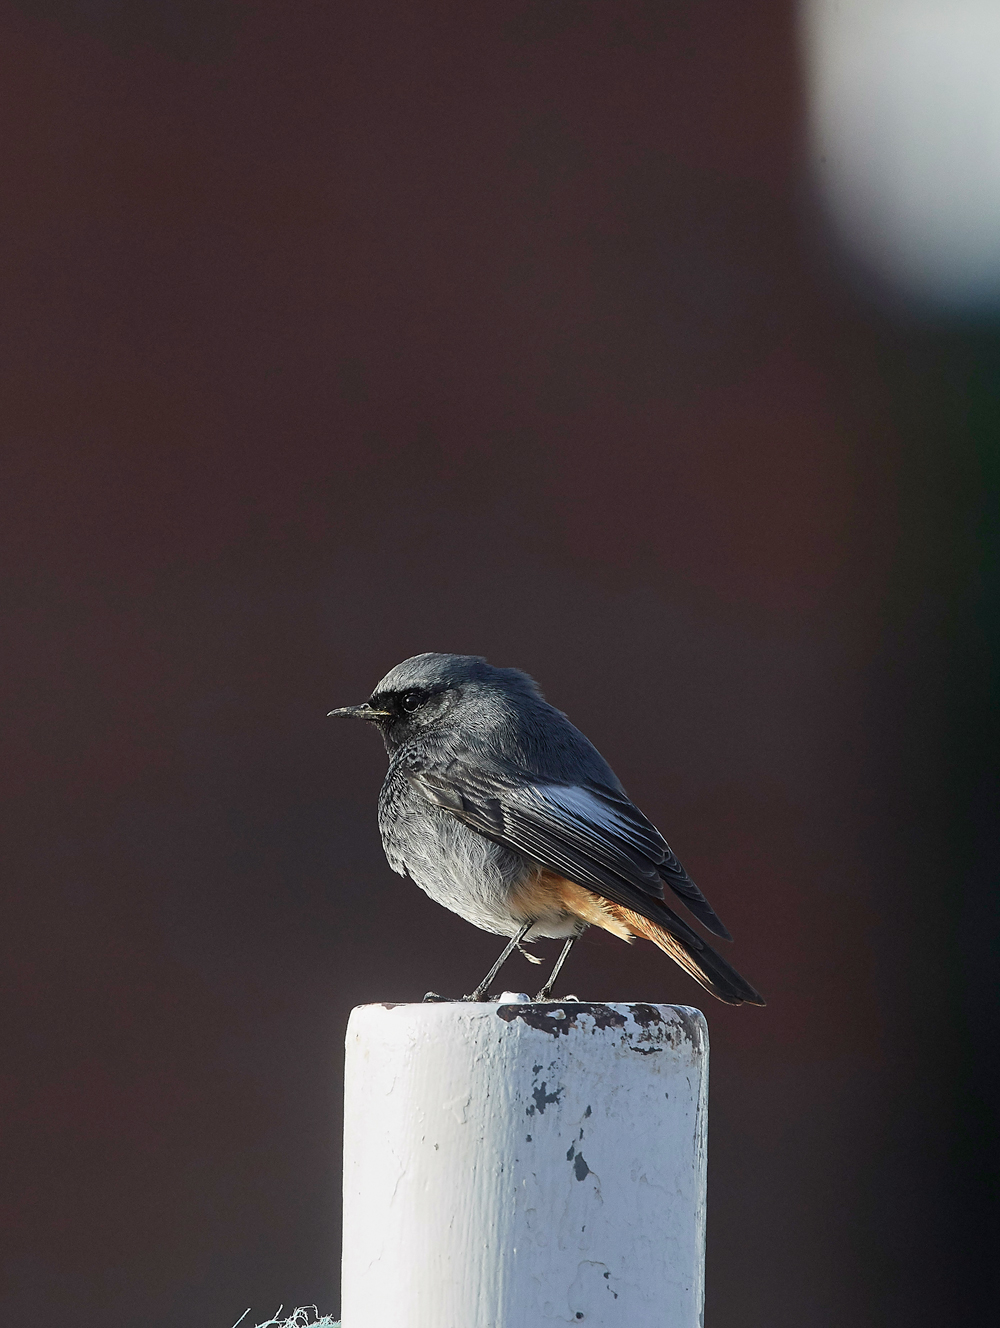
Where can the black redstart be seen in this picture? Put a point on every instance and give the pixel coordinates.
(501, 810)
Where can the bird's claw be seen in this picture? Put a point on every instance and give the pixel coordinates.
(433, 996)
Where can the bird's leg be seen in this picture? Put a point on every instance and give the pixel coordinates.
(546, 991)
(508, 950)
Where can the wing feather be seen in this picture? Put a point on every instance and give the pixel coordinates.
(595, 837)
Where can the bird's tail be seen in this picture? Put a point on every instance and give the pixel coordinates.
(704, 965)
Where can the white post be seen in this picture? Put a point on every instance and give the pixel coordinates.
(513, 1165)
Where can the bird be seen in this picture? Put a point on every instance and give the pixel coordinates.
(501, 810)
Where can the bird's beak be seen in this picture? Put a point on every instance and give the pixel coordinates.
(360, 712)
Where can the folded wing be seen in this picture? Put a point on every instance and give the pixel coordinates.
(594, 836)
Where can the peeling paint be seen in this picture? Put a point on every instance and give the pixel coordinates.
(557, 1021)
(543, 1099)
(646, 1015)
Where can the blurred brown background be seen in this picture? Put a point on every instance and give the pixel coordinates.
(335, 333)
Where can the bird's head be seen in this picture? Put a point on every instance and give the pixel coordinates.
(434, 693)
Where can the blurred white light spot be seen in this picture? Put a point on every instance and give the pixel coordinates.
(905, 140)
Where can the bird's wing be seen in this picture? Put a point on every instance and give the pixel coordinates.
(594, 837)
(668, 867)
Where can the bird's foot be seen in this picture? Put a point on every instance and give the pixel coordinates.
(433, 996)
(477, 995)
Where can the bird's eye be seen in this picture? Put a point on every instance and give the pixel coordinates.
(411, 701)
